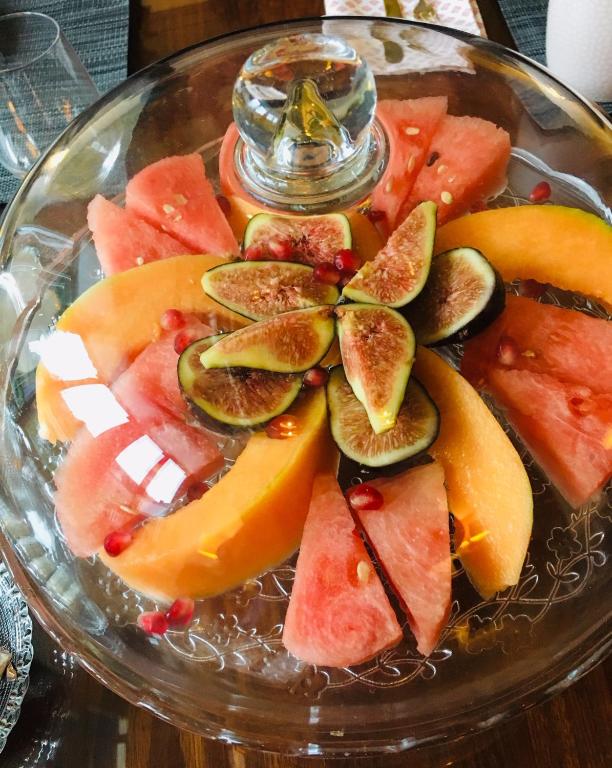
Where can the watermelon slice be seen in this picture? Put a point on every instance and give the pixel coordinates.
(123, 240)
(338, 614)
(410, 125)
(472, 158)
(175, 196)
(411, 539)
(566, 427)
(565, 344)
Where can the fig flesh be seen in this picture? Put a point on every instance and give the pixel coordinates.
(377, 348)
(463, 295)
(416, 428)
(230, 398)
(287, 343)
(312, 239)
(262, 289)
(398, 272)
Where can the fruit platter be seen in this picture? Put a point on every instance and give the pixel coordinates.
(307, 421)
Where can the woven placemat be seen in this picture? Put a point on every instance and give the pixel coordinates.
(98, 31)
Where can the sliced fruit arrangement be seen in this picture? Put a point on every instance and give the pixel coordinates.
(235, 397)
(339, 614)
(462, 296)
(399, 271)
(415, 429)
(410, 537)
(377, 348)
(409, 125)
(175, 196)
(553, 244)
(307, 239)
(550, 369)
(262, 289)
(287, 343)
(469, 163)
(488, 489)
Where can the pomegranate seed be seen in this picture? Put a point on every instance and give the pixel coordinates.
(282, 427)
(507, 351)
(180, 612)
(153, 622)
(281, 249)
(327, 273)
(254, 253)
(346, 260)
(532, 288)
(540, 193)
(196, 491)
(375, 215)
(345, 278)
(580, 406)
(224, 204)
(172, 320)
(316, 377)
(116, 542)
(364, 496)
(183, 339)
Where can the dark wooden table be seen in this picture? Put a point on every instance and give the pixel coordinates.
(70, 721)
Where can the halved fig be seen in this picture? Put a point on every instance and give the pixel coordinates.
(377, 348)
(308, 239)
(232, 398)
(262, 289)
(416, 428)
(287, 343)
(463, 295)
(399, 271)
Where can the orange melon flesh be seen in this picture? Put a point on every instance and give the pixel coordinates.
(249, 521)
(566, 247)
(488, 488)
(117, 318)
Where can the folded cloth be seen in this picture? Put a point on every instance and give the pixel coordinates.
(97, 30)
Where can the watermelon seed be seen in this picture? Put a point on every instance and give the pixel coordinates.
(446, 197)
(442, 169)
(363, 571)
(153, 622)
(580, 406)
(451, 179)
(180, 199)
(410, 164)
(139, 261)
(528, 353)
(432, 158)
(411, 130)
(540, 193)
(507, 350)
(388, 187)
(167, 208)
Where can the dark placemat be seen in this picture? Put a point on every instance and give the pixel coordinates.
(98, 31)
(526, 20)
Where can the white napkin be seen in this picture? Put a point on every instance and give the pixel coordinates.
(404, 49)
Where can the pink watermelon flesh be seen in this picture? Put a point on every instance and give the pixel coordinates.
(92, 488)
(567, 345)
(566, 427)
(123, 240)
(408, 151)
(175, 196)
(411, 538)
(471, 167)
(334, 618)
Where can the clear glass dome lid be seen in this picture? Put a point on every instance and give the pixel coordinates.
(259, 119)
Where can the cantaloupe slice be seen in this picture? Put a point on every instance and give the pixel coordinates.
(566, 247)
(249, 521)
(488, 488)
(115, 320)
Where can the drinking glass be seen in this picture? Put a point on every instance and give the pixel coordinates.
(43, 86)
